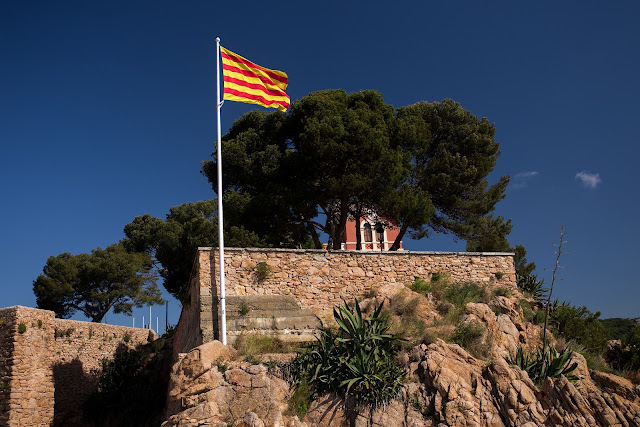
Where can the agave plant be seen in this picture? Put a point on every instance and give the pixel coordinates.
(548, 364)
(359, 359)
(532, 286)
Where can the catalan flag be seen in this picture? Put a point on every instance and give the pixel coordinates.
(245, 81)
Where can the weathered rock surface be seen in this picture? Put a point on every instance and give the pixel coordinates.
(207, 389)
(447, 387)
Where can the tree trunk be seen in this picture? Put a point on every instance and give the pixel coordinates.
(341, 226)
(358, 237)
(314, 235)
(396, 243)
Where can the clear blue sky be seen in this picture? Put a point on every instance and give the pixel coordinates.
(108, 108)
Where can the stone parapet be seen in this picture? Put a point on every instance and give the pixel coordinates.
(319, 280)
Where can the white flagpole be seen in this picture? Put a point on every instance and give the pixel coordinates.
(223, 309)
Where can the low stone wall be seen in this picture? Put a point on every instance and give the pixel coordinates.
(49, 366)
(79, 349)
(319, 280)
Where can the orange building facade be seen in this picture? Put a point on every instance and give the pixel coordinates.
(370, 238)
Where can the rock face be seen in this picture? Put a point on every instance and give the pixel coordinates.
(447, 387)
(207, 389)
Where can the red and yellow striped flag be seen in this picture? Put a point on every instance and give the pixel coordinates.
(245, 81)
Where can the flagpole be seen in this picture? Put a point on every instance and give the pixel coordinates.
(223, 309)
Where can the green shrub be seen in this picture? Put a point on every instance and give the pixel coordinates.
(499, 275)
(39, 323)
(244, 308)
(256, 344)
(467, 333)
(580, 325)
(549, 364)
(404, 303)
(532, 286)
(22, 328)
(171, 329)
(617, 327)
(359, 359)
(629, 358)
(263, 270)
(502, 291)
(462, 294)
(420, 286)
(299, 401)
(126, 338)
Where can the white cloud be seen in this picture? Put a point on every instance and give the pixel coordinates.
(521, 179)
(589, 180)
(528, 174)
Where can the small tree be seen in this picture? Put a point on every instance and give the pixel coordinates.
(97, 282)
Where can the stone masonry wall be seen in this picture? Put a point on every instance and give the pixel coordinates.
(49, 369)
(320, 280)
(196, 319)
(77, 361)
(26, 350)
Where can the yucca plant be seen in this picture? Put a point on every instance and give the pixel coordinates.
(532, 286)
(545, 364)
(359, 359)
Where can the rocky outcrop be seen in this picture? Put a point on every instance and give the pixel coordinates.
(447, 387)
(206, 388)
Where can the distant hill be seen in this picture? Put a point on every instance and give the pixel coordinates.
(618, 327)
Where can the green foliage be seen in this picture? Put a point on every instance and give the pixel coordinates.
(523, 267)
(628, 360)
(299, 401)
(579, 324)
(452, 152)
(132, 387)
(407, 324)
(532, 286)
(462, 294)
(420, 286)
(39, 323)
(422, 167)
(359, 359)
(244, 309)
(63, 333)
(617, 327)
(263, 270)
(173, 243)
(541, 365)
(171, 329)
(22, 328)
(95, 283)
(3, 386)
(467, 334)
(502, 291)
(256, 344)
(126, 338)
(499, 275)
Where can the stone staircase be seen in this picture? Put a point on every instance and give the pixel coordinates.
(279, 316)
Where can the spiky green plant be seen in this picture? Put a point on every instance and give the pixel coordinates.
(542, 364)
(359, 359)
(532, 286)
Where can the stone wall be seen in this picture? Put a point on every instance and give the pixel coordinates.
(196, 324)
(26, 351)
(49, 366)
(319, 280)
(79, 348)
